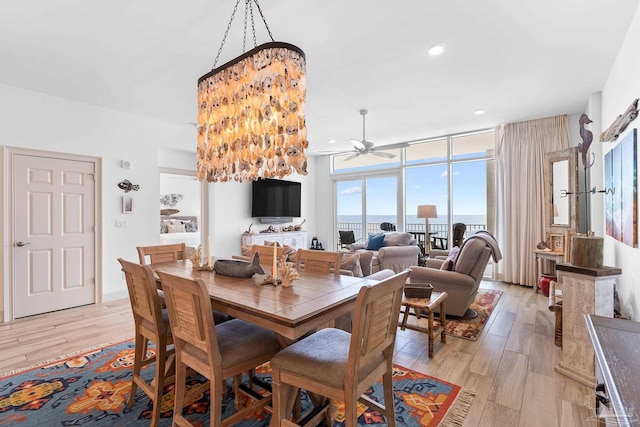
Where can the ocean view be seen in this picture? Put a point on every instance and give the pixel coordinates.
(412, 219)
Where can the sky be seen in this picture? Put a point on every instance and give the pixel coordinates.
(425, 185)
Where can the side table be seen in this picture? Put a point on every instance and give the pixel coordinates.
(425, 306)
(556, 257)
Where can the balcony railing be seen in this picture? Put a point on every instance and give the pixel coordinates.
(435, 230)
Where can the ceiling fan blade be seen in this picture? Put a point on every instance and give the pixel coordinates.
(382, 154)
(358, 144)
(353, 156)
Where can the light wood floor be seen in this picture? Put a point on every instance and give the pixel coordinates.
(510, 367)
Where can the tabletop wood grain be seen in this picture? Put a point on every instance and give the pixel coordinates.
(312, 301)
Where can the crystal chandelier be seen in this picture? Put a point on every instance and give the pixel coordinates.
(251, 121)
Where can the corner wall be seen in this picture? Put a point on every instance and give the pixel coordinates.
(621, 88)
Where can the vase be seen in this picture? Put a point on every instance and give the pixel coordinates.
(545, 281)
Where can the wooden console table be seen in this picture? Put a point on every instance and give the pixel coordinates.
(615, 345)
(293, 239)
(556, 257)
(584, 291)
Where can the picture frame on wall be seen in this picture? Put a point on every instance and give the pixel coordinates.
(556, 243)
(127, 204)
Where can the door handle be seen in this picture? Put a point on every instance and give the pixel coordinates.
(21, 244)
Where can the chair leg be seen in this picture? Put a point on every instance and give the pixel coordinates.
(389, 398)
(350, 411)
(280, 394)
(139, 352)
(180, 389)
(237, 380)
(161, 359)
(215, 404)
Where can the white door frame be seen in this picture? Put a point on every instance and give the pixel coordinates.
(7, 202)
(204, 199)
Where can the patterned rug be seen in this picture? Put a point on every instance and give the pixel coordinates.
(91, 389)
(484, 303)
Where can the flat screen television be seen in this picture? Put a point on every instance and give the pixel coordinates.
(275, 200)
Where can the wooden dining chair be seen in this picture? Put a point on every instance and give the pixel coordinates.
(216, 352)
(266, 253)
(342, 366)
(162, 253)
(151, 324)
(168, 253)
(318, 261)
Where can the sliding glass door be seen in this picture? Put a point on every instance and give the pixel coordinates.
(364, 204)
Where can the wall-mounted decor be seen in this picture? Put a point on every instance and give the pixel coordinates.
(171, 199)
(620, 124)
(127, 186)
(127, 204)
(621, 203)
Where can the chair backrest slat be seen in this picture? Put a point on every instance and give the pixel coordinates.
(376, 319)
(190, 313)
(143, 294)
(162, 253)
(318, 261)
(266, 253)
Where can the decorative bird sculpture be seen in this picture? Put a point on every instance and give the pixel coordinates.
(587, 138)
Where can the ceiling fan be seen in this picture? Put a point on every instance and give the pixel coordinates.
(361, 147)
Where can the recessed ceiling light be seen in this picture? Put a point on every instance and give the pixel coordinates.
(332, 141)
(480, 111)
(436, 49)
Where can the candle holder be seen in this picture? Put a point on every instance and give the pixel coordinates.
(270, 280)
(196, 260)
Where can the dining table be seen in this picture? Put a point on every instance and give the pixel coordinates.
(292, 312)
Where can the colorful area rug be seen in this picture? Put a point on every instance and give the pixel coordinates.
(484, 304)
(91, 389)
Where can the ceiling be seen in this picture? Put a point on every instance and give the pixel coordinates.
(517, 59)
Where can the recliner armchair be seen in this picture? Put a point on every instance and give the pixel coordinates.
(462, 282)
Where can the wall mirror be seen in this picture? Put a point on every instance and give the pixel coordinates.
(561, 177)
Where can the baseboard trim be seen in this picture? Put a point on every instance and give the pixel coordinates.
(113, 296)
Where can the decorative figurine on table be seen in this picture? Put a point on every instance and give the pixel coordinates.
(196, 259)
(286, 272)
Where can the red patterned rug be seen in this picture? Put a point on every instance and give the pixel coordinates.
(91, 389)
(484, 304)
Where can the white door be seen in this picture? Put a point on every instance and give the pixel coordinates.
(54, 234)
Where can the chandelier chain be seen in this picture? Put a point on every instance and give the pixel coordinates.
(264, 20)
(253, 26)
(244, 35)
(235, 8)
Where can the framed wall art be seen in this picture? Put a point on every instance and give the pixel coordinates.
(556, 243)
(127, 204)
(620, 200)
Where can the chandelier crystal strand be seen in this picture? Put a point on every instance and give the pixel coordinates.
(251, 121)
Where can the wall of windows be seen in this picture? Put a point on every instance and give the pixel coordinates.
(455, 173)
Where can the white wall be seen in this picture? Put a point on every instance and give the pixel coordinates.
(621, 88)
(38, 121)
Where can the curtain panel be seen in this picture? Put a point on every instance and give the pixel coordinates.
(520, 191)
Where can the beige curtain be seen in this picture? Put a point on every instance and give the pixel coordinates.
(520, 192)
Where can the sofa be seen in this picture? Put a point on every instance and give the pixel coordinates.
(398, 251)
